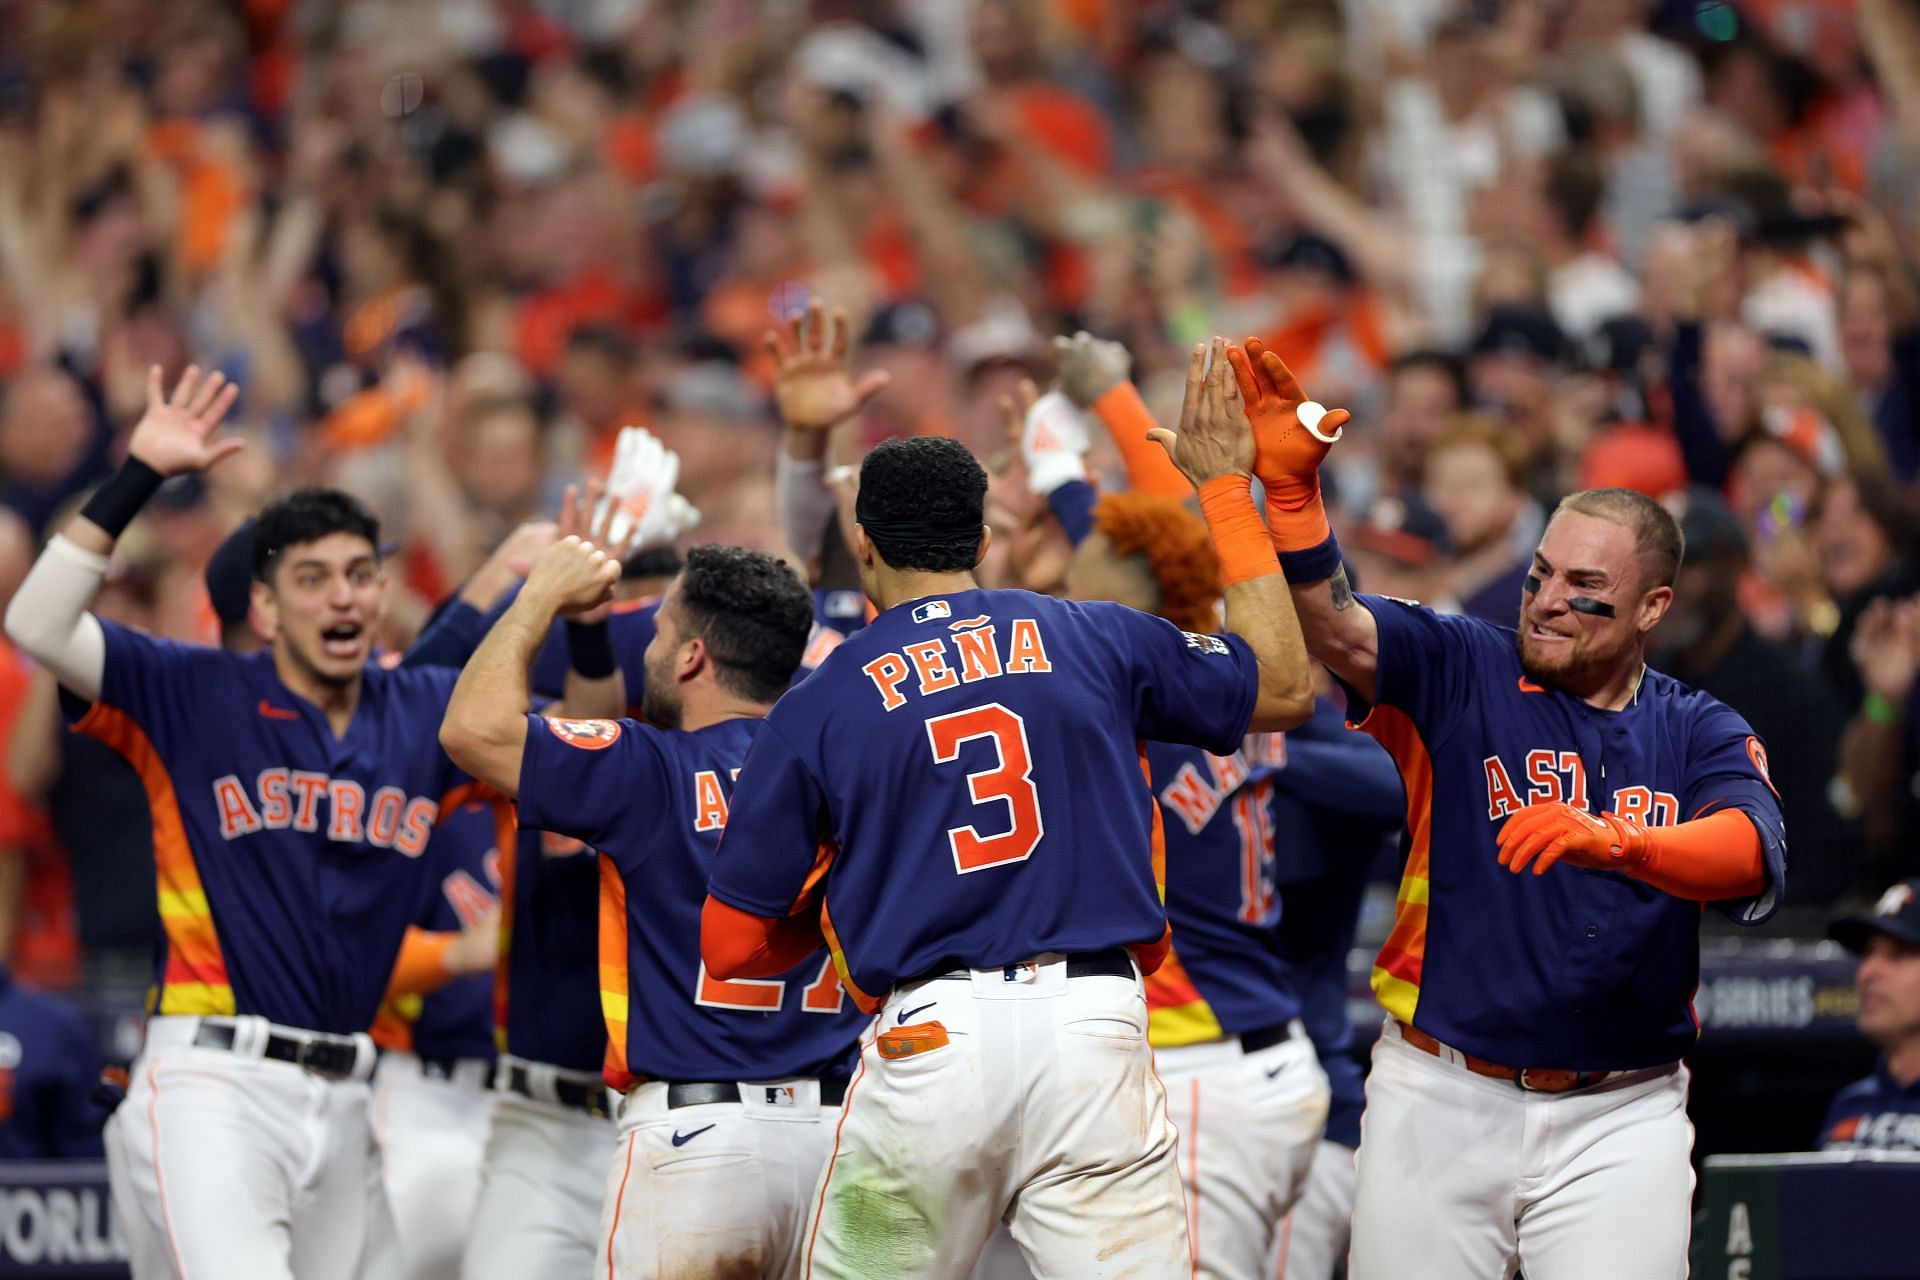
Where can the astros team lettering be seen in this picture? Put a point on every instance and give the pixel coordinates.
(290, 799)
(1553, 777)
(975, 647)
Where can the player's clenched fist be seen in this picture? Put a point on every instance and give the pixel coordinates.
(572, 576)
(1291, 432)
(1215, 438)
(1543, 834)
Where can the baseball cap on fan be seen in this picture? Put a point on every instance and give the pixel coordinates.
(1897, 915)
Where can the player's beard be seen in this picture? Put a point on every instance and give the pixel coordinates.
(1575, 667)
(660, 700)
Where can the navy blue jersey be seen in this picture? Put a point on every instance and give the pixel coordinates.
(1222, 976)
(1337, 806)
(48, 1068)
(463, 870)
(1580, 969)
(288, 860)
(654, 803)
(547, 992)
(1875, 1114)
(964, 776)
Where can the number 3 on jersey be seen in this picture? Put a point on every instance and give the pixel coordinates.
(1011, 781)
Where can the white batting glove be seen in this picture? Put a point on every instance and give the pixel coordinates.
(640, 486)
(1054, 441)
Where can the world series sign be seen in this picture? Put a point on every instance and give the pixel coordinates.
(56, 1219)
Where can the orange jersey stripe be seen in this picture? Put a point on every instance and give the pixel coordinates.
(1396, 975)
(613, 973)
(506, 835)
(195, 973)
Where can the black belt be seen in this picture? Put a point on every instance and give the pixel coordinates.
(1266, 1037)
(833, 1092)
(1114, 962)
(442, 1068)
(590, 1098)
(332, 1056)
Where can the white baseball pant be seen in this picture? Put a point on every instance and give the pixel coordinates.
(1313, 1238)
(225, 1164)
(541, 1188)
(432, 1131)
(716, 1190)
(1464, 1177)
(1248, 1124)
(1041, 1111)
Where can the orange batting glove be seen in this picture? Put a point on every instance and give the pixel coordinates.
(1543, 834)
(1291, 436)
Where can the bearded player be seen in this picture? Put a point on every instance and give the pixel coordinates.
(1569, 814)
(956, 800)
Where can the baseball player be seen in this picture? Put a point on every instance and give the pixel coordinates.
(49, 1066)
(732, 1089)
(432, 1106)
(292, 794)
(1882, 1112)
(1569, 812)
(1244, 1088)
(1336, 797)
(982, 866)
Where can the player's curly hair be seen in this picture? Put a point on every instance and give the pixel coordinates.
(754, 614)
(923, 503)
(1177, 549)
(308, 515)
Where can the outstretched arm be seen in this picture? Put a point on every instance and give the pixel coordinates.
(485, 729)
(1214, 449)
(48, 617)
(1293, 435)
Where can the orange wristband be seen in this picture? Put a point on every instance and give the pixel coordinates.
(1239, 539)
(421, 967)
(1295, 515)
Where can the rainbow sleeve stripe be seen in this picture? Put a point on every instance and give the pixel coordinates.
(613, 974)
(193, 974)
(1396, 971)
(506, 838)
(1177, 1013)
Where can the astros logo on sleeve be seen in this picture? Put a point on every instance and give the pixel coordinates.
(588, 735)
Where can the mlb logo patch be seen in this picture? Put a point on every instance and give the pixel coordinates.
(780, 1096)
(1206, 644)
(931, 610)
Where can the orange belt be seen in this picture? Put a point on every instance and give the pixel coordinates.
(1529, 1079)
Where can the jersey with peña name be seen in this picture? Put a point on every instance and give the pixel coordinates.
(962, 783)
(654, 803)
(1579, 969)
(288, 860)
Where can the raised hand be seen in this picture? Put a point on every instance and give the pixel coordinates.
(1215, 438)
(172, 436)
(1886, 648)
(814, 387)
(572, 577)
(1291, 432)
(641, 508)
(1089, 367)
(586, 517)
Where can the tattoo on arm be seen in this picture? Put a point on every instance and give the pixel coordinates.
(1342, 589)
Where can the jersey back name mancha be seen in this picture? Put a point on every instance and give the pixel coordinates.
(964, 779)
(289, 861)
(1222, 976)
(1577, 969)
(654, 803)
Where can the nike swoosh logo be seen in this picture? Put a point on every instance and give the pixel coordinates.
(908, 1013)
(1276, 1071)
(682, 1139)
(272, 712)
